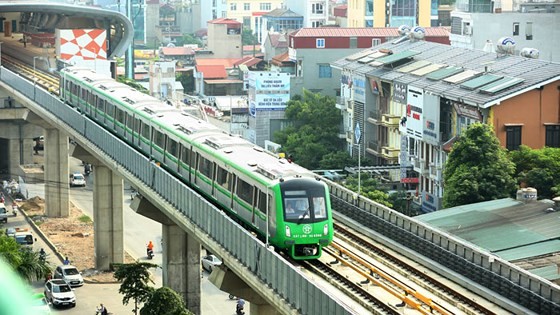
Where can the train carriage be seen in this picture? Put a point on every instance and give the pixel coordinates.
(240, 177)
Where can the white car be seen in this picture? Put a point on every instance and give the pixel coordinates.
(59, 293)
(77, 179)
(209, 262)
(70, 274)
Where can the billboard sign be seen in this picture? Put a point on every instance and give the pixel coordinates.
(270, 91)
(414, 120)
(81, 44)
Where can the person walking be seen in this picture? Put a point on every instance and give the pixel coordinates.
(66, 261)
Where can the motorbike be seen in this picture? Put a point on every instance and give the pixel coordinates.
(87, 169)
(239, 307)
(15, 210)
(150, 253)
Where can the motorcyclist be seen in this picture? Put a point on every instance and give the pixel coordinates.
(239, 307)
(42, 255)
(102, 310)
(150, 248)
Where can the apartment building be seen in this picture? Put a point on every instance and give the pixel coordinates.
(392, 13)
(413, 99)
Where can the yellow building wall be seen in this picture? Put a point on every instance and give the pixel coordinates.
(424, 14)
(356, 13)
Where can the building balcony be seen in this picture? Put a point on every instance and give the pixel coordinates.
(374, 117)
(343, 103)
(374, 147)
(349, 136)
(435, 171)
(390, 120)
(390, 153)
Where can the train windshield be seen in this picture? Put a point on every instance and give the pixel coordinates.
(305, 206)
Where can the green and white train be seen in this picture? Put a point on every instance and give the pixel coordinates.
(230, 171)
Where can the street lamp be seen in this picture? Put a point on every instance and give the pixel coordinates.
(1, 54)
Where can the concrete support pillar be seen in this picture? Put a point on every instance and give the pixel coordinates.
(108, 217)
(181, 265)
(57, 177)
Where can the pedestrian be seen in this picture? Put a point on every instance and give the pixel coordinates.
(66, 261)
(102, 310)
(24, 41)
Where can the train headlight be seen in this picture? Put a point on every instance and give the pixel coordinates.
(288, 232)
(325, 229)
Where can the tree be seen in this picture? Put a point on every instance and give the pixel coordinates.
(187, 81)
(538, 168)
(477, 169)
(189, 39)
(368, 188)
(248, 37)
(313, 133)
(25, 261)
(135, 279)
(164, 301)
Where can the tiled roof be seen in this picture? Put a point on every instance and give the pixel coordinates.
(251, 47)
(212, 72)
(226, 62)
(279, 59)
(249, 61)
(364, 32)
(177, 51)
(533, 72)
(278, 40)
(225, 21)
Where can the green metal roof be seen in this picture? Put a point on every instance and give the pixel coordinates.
(500, 85)
(531, 250)
(548, 272)
(444, 73)
(396, 57)
(480, 81)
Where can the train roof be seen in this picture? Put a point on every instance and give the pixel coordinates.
(87, 75)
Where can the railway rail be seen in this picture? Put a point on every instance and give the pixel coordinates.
(44, 79)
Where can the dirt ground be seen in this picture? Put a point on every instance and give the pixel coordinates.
(72, 236)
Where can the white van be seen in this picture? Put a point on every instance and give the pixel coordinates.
(25, 239)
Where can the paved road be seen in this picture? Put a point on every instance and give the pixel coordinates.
(138, 231)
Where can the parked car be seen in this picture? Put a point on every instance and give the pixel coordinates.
(3, 213)
(39, 305)
(11, 232)
(70, 274)
(77, 179)
(59, 293)
(209, 262)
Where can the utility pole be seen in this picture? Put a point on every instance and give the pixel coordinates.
(129, 59)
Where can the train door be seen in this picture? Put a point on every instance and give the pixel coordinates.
(172, 153)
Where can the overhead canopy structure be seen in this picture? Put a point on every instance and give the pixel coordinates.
(48, 16)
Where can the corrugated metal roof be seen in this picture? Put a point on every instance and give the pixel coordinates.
(364, 32)
(500, 225)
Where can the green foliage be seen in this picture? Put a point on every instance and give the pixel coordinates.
(85, 219)
(314, 130)
(23, 260)
(369, 188)
(538, 168)
(248, 38)
(478, 169)
(164, 301)
(337, 160)
(135, 279)
(132, 83)
(189, 39)
(187, 80)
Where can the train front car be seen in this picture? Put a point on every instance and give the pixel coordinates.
(305, 213)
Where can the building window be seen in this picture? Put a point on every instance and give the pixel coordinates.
(233, 6)
(317, 8)
(266, 6)
(515, 28)
(325, 71)
(316, 24)
(513, 137)
(552, 136)
(247, 21)
(247, 6)
(375, 42)
(320, 42)
(529, 31)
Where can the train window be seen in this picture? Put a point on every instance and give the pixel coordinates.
(129, 122)
(159, 139)
(172, 147)
(119, 114)
(319, 208)
(137, 125)
(222, 178)
(145, 131)
(262, 201)
(110, 109)
(185, 155)
(205, 167)
(244, 191)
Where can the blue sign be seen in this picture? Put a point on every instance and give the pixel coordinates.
(357, 133)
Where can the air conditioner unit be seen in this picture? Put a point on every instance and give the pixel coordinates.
(467, 30)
